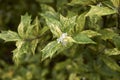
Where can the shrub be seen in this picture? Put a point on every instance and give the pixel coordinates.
(68, 40)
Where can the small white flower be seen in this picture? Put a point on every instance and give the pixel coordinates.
(61, 39)
(100, 4)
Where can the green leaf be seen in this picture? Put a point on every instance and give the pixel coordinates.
(90, 33)
(53, 23)
(111, 63)
(33, 45)
(33, 30)
(116, 3)
(80, 22)
(83, 39)
(45, 7)
(116, 41)
(54, 26)
(43, 30)
(113, 51)
(36, 28)
(28, 30)
(61, 4)
(82, 2)
(50, 14)
(108, 4)
(100, 11)
(9, 36)
(94, 76)
(17, 56)
(50, 49)
(68, 23)
(45, 1)
(94, 22)
(24, 24)
(62, 65)
(73, 76)
(22, 48)
(107, 34)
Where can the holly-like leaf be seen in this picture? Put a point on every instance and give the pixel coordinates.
(45, 7)
(80, 22)
(33, 45)
(24, 24)
(95, 22)
(100, 11)
(22, 48)
(90, 33)
(116, 3)
(96, 76)
(50, 14)
(68, 23)
(111, 63)
(45, 1)
(116, 41)
(54, 26)
(33, 30)
(83, 39)
(113, 51)
(9, 36)
(107, 34)
(60, 4)
(73, 76)
(108, 4)
(50, 49)
(53, 23)
(17, 56)
(43, 30)
(82, 2)
(28, 33)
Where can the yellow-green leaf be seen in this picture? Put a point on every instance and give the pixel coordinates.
(80, 22)
(82, 2)
(116, 41)
(113, 51)
(107, 34)
(33, 45)
(116, 3)
(32, 31)
(9, 36)
(100, 11)
(90, 33)
(24, 24)
(54, 26)
(83, 39)
(50, 49)
(111, 63)
(68, 23)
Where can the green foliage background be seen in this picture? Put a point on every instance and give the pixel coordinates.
(60, 40)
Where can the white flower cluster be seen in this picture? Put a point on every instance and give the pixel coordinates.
(62, 39)
(99, 4)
